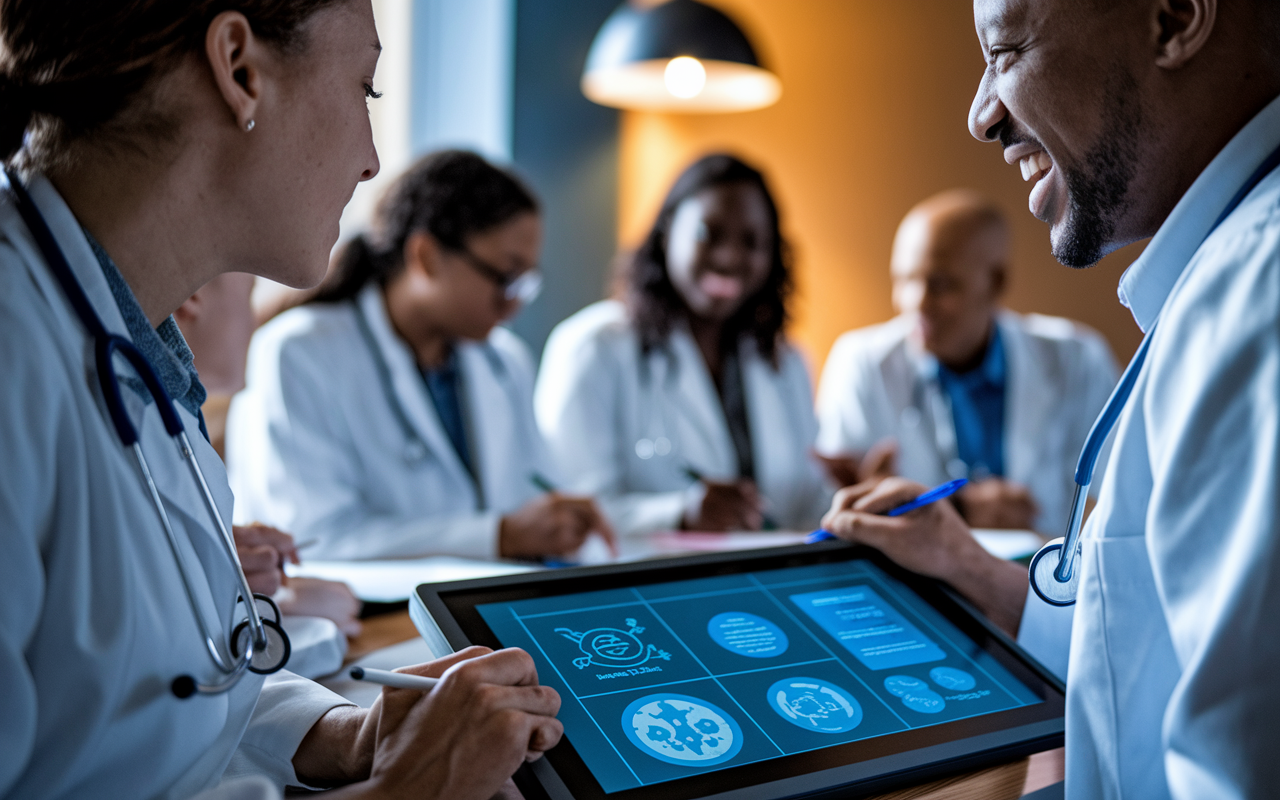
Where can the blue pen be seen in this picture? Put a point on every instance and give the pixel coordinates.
(932, 496)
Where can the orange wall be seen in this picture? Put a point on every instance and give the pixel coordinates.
(872, 119)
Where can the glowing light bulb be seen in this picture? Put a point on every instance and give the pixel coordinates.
(684, 77)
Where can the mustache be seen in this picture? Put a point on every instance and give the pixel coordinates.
(1010, 135)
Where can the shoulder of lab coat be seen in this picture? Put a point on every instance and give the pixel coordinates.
(1061, 373)
(1212, 525)
(589, 366)
(800, 493)
(853, 405)
(293, 452)
(75, 625)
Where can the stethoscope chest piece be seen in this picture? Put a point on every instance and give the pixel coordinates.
(1047, 586)
(271, 655)
(647, 448)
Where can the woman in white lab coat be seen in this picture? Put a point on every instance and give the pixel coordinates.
(683, 406)
(390, 416)
(159, 145)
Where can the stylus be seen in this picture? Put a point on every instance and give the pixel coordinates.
(396, 680)
(932, 496)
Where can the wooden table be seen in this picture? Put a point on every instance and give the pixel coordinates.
(1004, 782)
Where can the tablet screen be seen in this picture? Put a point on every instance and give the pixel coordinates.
(661, 681)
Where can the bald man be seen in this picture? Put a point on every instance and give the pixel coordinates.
(956, 386)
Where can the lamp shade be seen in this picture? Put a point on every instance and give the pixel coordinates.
(681, 55)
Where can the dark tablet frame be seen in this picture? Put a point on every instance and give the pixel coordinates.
(854, 769)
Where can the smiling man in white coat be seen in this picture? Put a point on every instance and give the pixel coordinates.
(1134, 119)
(960, 387)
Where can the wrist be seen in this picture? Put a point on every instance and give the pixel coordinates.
(997, 587)
(337, 750)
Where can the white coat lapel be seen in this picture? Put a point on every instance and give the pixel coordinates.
(1028, 408)
(772, 416)
(934, 423)
(704, 441)
(198, 541)
(491, 429)
(407, 383)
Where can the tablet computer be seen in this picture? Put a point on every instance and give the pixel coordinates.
(811, 671)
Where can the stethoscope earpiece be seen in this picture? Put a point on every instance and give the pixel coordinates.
(1045, 583)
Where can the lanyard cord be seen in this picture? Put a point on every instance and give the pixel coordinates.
(1064, 572)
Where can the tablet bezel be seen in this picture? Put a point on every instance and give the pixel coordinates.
(882, 764)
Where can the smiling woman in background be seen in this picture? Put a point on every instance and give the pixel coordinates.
(391, 416)
(684, 406)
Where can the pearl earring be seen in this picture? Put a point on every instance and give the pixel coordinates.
(248, 126)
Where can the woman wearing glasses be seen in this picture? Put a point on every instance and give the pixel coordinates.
(390, 416)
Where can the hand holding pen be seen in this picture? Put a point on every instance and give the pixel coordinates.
(919, 501)
(724, 505)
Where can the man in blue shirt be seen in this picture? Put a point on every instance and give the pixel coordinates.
(957, 386)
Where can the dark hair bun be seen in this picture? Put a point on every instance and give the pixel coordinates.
(15, 116)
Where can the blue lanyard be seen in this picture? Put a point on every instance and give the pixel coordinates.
(1057, 586)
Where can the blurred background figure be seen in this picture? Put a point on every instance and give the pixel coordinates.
(683, 405)
(217, 322)
(390, 416)
(956, 386)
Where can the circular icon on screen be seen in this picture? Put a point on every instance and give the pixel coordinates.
(952, 679)
(915, 693)
(926, 702)
(747, 634)
(815, 705)
(903, 685)
(682, 730)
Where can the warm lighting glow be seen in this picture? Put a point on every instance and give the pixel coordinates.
(684, 77)
(650, 86)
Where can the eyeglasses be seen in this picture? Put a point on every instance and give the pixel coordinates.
(523, 287)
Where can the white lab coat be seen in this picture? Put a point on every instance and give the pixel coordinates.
(315, 445)
(96, 623)
(878, 383)
(597, 397)
(1172, 690)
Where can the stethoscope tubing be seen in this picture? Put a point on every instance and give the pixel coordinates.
(1067, 549)
(106, 347)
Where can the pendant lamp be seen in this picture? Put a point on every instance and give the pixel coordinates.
(681, 56)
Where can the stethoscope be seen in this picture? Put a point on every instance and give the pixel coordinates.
(654, 441)
(1055, 578)
(256, 644)
(415, 450)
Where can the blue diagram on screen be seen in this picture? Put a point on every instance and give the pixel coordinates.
(868, 627)
(613, 647)
(956, 680)
(682, 730)
(815, 705)
(747, 634)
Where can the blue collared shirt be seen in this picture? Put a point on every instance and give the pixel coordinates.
(443, 386)
(977, 410)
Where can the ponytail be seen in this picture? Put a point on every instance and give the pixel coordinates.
(355, 265)
(451, 195)
(15, 117)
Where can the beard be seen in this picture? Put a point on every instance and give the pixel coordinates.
(1096, 189)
